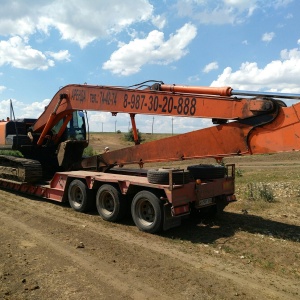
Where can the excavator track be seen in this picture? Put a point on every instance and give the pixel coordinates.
(20, 169)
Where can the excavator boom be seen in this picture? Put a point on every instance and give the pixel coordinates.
(258, 123)
(157, 100)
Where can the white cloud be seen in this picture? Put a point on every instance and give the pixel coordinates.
(33, 109)
(268, 37)
(293, 54)
(242, 6)
(217, 12)
(19, 54)
(193, 78)
(21, 109)
(159, 21)
(211, 66)
(280, 75)
(61, 55)
(281, 3)
(12, 24)
(153, 49)
(4, 109)
(2, 88)
(221, 12)
(76, 22)
(289, 16)
(99, 117)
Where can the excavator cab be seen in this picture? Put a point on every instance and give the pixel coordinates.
(70, 129)
(73, 142)
(76, 129)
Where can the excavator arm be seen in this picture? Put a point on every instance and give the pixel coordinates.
(257, 123)
(158, 99)
(278, 133)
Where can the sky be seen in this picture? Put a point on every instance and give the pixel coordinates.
(46, 44)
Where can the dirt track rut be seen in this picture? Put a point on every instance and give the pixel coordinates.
(48, 251)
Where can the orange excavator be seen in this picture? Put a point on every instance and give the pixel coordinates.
(245, 122)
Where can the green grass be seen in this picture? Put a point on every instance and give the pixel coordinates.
(11, 153)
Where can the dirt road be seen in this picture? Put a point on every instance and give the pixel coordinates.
(48, 251)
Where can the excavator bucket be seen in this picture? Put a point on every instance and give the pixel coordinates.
(70, 152)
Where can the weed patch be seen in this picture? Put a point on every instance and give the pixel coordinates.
(89, 151)
(260, 192)
(239, 172)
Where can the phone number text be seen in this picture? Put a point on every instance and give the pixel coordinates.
(181, 105)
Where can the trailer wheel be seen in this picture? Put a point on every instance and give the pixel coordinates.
(207, 171)
(78, 196)
(109, 202)
(161, 176)
(147, 212)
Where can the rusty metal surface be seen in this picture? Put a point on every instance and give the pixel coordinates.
(283, 134)
(179, 195)
(217, 141)
(260, 125)
(135, 101)
(202, 90)
(275, 133)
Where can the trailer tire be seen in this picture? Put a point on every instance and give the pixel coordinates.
(207, 171)
(110, 203)
(161, 176)
(78, 196)
(147, 212)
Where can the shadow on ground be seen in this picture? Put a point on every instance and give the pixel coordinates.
(207, 231)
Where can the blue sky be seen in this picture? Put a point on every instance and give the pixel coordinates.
(245, 44)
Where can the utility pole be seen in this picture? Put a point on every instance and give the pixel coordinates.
(116, 126)
(102, 126)
(172, 125)
(152, 124)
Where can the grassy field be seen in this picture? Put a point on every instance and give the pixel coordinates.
(100, 140)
